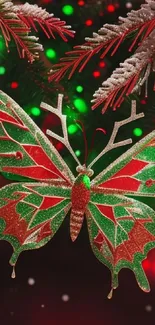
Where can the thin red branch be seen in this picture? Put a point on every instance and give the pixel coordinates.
(80, 55)
(48, 25)
(15, 29)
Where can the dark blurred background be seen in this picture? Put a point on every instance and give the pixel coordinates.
(63, 282)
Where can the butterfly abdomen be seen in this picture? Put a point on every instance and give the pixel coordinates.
(80, 197)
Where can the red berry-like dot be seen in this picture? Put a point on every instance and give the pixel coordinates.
(19, 155)
(149, 182)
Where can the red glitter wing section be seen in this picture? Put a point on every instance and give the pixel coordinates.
(18, 218)
(40, 158)
(7, 118)
(34, 172)
(102, 244)
(123, 180)
(4, 117)
(44, 232)
(132, 168)
(139, 236)
(122, 183)
(15, 226)
(98, 240)
(48, 202)
(107, 211)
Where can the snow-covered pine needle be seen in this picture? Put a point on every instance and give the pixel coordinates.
(133, 72)
(34, 16)
(129, 77)
(17, 21)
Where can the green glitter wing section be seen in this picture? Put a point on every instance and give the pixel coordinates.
(25, 152)
(121, 231)
(30, 214)
(132, 173)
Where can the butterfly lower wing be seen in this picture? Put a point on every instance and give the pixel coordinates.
(121, 231)
(31, 213)
(133, 172)
(25, 152)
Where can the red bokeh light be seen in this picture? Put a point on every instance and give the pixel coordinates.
(81, 3)
(96, 74)
(14, 84)
(59, 146)
(46, 1)
(111, 8)
(146, 264)
(102, 64)
(143, 102)
(89, 22)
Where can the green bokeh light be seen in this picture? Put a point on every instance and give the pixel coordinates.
(80, 104)
(79, 89)
(2, 44)
(2, 70)
(51, 53)
(35, 111)
(78, 153)
(68, 10)
(71, 113)
(137, 132)
(72, 128)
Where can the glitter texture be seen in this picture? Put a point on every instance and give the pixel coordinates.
(121, 228)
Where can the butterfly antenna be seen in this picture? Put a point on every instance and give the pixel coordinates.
(93, 137)
(85, 140)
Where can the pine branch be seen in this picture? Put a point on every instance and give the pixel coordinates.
(13, 28)
(112, 144)
(32, 16)
(16, 23)
(109, 37)
(129, 77)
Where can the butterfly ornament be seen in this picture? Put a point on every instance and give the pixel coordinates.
(121, 228)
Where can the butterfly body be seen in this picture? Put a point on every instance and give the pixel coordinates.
(80, 197)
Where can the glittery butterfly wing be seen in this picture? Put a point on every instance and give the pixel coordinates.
(25, 152)
(30, 213)
(122, 229)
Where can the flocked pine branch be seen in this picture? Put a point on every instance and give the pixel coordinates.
(109, 37)
(16, 23)
(129, 77)
(13, 28)
(34, 16)
(141, 24)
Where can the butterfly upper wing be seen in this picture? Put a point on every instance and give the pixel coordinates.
(25, 152)
(133, 172)
(122, 229)
(31, 213)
